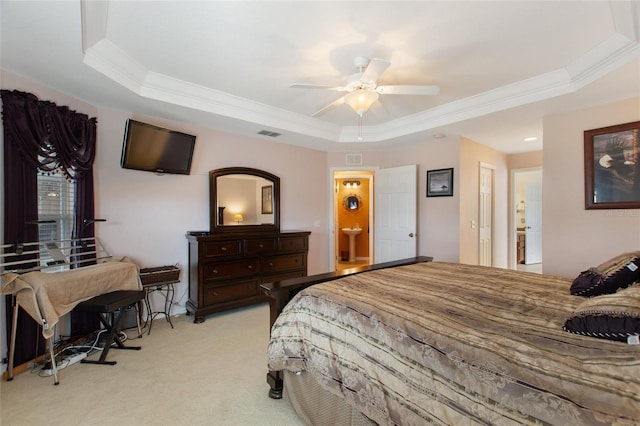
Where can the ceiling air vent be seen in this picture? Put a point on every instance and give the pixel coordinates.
(354, 159)
(269, 133)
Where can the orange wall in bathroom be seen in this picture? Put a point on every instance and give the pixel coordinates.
(348, 218)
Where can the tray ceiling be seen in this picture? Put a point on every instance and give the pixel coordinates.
(500, 66)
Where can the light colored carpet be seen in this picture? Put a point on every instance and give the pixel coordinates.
(212, 373)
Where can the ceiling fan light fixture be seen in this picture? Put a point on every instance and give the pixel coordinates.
(361, 100)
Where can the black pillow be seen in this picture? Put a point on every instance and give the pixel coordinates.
(616, 273)
(612, 316)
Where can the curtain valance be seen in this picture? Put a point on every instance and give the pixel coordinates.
(47, 136)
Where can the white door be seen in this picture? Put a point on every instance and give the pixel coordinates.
(485, 257)
(533, 219)
(395, 213)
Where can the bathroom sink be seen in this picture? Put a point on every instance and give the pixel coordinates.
(352, 232)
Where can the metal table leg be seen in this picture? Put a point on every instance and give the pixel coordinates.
(167, 290)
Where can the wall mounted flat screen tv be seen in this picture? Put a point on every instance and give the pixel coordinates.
(156, 149)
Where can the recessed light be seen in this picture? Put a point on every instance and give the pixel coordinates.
(531, 139)
(439, 135)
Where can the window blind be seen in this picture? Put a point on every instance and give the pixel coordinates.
(56, 201)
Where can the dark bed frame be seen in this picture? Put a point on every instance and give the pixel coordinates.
(281, 292)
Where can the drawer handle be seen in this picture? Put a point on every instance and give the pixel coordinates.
(215, 271)
(223, 249)
(261, 245)
(215, 293)
(250, 266)
(270, 263)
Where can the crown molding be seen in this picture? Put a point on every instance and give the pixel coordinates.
(107, 58)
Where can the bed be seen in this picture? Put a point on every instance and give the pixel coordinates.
(445, 343)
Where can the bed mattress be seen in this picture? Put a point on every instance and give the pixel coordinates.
(456, 344)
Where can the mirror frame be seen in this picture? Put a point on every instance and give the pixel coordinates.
(213, 200)
(345, 202)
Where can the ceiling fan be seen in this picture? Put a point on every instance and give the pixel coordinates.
(362, 90)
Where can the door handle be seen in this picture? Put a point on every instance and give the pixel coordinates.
(411, 235)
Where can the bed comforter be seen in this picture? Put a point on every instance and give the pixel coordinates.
(456, 344)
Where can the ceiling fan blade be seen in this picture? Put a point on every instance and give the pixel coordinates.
(375, 68)
(331, 106)
(317, 86)
(408, 90)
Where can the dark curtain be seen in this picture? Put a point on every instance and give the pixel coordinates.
(21, 178)
(40, 136)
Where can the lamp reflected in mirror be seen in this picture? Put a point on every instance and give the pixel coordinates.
(238, 218)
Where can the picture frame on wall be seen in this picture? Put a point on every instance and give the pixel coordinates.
(612, 169)
(440, 183)
(267, 199)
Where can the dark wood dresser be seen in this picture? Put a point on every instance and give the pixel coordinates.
(227, 269)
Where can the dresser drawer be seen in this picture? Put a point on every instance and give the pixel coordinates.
(222, 248)
(293, 244)
(272, 278)
(283, 263)
(225, 270)
(227, 267)
(265, 245)
(220, 293)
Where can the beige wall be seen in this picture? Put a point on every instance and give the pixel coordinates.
(148, 215)
(438, 229)
(575, 239)
(444, 223)
(525, 160)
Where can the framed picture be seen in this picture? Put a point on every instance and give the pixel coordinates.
(612, 173)
(267, 199)
(440, 183)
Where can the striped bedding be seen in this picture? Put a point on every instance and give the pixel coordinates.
(456, 344)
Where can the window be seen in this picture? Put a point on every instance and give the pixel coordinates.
(56, 202)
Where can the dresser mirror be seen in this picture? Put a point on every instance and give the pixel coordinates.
(243, 199)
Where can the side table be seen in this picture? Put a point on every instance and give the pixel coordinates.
(166, 289)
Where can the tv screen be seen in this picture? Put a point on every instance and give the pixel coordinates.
(156, 149)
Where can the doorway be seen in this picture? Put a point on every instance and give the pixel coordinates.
(357, 197)
(527, 219)
(353, 218)
(485, 217)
